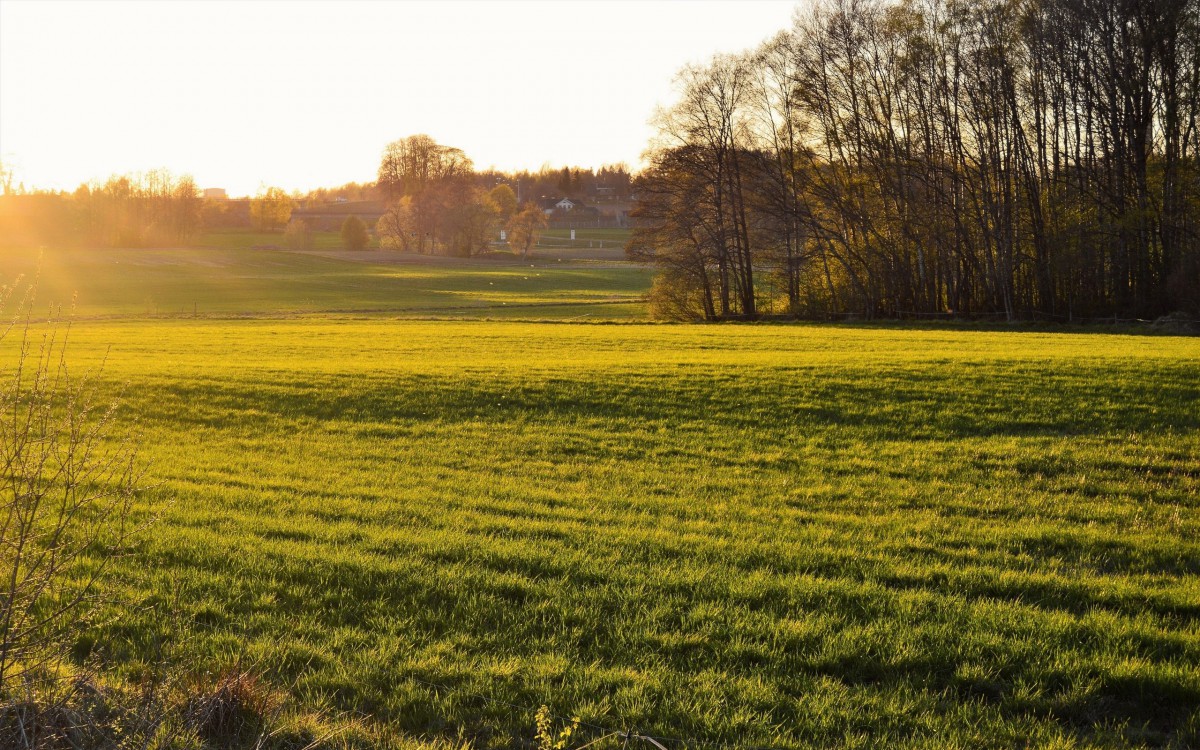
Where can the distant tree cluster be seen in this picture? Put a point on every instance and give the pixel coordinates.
(995, 157)
(611, 181)
(155, 208)
(271, 209)
(438, 204)
(525, 228)
(435, 203)
(355, 234)
(435, 206)
(351, 191)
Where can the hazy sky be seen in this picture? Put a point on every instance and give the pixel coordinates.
(306, 94)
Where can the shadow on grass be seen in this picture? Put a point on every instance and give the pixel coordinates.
(928, 403)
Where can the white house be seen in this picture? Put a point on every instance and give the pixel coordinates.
(550, 205)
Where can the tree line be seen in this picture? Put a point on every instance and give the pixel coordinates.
(154, 208)
(1013, 158)
(436, 203)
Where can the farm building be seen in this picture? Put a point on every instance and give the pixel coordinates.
(550, 205)
(569, 212)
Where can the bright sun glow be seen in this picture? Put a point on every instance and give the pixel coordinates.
(307, 94)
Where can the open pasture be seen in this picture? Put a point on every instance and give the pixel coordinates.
(232, 239)
(238, 281)
(606, 244)
(609, 236)
(787, 536)
(595, 244)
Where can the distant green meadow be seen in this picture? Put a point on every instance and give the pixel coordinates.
(236, 239)
(215, 281)
(793, 536)
(598, 244)
(554, 244)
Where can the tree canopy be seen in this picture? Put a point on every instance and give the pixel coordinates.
(355, 235)
(436, 205)
(933, 157)
(271, 209)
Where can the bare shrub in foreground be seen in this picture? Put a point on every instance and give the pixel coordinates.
(67, 482)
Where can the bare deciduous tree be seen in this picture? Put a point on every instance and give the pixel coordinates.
(931, 157)
(432, 177)
(525, 228)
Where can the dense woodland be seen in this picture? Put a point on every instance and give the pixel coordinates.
(1008, 158)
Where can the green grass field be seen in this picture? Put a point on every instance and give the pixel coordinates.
(609, 233)
(228, 239)
(787, 536)
(747, 535)
(589, 244)
(610, 237)
(238, 281)
(598, 244)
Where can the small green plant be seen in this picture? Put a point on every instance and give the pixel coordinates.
(547, 738)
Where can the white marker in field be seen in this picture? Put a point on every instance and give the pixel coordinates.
(503, 235)
(572, 234)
